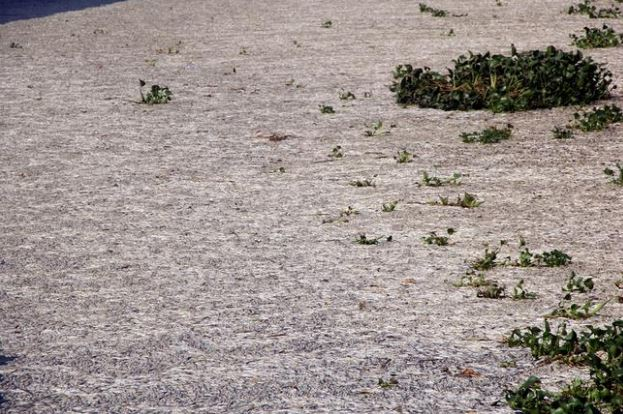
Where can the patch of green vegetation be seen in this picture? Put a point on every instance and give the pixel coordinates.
(589, 9)
(403, 157)
(389, 207)
(520, 293)
(475, 280)
(575, 311)
(434, 12)
(597, 38)
(522, 81)
(598, 119)
(466, 201)
(487, 261)
(578, 284)
(562, 133)
(433, 181)
(156, 95)
(326, 109)
(599, 348)
(376, 128)
(490, 135)
(553, 258)
(433, 238)
(616, 178)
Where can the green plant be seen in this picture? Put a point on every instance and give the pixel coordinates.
(467, 201)
(492, 291)
(156, 95)
(433, 238)
(522, 81)
(598, 119)
(490, 135)
(337, 152)
(546, 343)
(487, 261)
(363, 183)
(389, 207)
(520, 293)
(326, 109)
(588, 8)
(579, 284)
(599, 348)
(403, 157)
(525, 258)
(434, 12)
(327, 24)
(616, 178)
(562, 133)
(346, 95)
(575, 311)
(597, 38)
(531, 398)
(363, 239)
(376, 128)
(473, 280)
(433, 181)
(554, 258)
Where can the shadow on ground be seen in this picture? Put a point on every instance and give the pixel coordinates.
(11, 10)
(3, 361)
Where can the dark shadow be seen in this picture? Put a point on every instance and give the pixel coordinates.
(11, 10)
(3, 361)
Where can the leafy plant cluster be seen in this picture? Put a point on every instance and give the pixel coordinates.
(615, 177)
(466, 201)
(553, 258)
(156, 95)
(575, 311)
(522, 81)
(434, 238)
(489, 135)
(434, 181)
(601, 349)
(588, 8)
(597, 38)
(403, 157)
(598, 119)
(376, 128)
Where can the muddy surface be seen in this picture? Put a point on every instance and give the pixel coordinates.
(184, 258)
